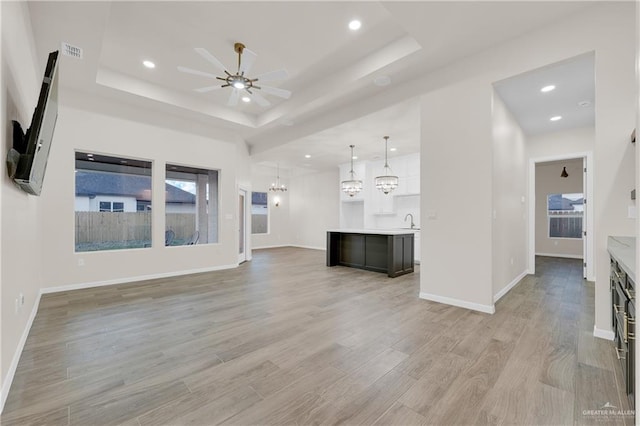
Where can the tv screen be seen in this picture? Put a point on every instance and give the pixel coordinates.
(34, 150)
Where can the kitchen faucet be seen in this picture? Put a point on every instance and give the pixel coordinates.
(411, 216)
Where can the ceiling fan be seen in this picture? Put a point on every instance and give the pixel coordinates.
(238, 81)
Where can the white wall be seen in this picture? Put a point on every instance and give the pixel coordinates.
(559, 144)
(606, 29)
(373, 209)
(100, 132)
(509, 226)
(314, 208)
(455, 181)
(279, 225)
(20, 214)
(548, 181)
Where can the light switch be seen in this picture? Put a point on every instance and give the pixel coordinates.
(632, 212)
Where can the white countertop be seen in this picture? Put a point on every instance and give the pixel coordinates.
(623, 250)
(376, 231)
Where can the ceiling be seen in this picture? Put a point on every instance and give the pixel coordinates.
(331, 67)
(573, 98)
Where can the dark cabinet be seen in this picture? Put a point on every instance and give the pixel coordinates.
(392, 254)
(623, 320)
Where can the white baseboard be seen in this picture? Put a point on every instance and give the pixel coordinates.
(603, 334)
(290, 245)
(489, 309)
(564, 256)
(271, 247)
(509, 286)
(8, 380)
(309, 247)
(80, 286)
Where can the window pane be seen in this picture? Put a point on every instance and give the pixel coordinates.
(108, 190)
(191, 206)
(259, 213)
(565, 213)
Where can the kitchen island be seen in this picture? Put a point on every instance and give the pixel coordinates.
(381, 250)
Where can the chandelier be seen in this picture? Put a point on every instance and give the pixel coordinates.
(276, 186)
(387, 182)
(351, 186)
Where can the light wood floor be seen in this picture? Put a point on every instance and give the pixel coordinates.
(285, 340)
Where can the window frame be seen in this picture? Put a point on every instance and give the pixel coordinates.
(567, 216)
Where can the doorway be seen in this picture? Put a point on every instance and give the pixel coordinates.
(242, 226)
(560, 215)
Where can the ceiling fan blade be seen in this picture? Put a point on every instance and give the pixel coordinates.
(286, 94)
(233, 98)
(273, 75)
(209, 57)
(196, 72)
(260, 100)
(247, 60)
(208, 88)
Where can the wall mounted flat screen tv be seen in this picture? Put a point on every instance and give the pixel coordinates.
(27, 161)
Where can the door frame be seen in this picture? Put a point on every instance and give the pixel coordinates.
(588, 182)
(242, 190)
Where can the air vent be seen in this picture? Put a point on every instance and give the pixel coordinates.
(71, 50)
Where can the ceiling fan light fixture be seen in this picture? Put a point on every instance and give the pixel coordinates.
(238, 80)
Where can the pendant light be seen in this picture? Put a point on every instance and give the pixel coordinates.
(387, 182)
(276, 186)
(352, 186)
(564, 173)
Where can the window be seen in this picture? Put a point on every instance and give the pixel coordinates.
(259, 213)
(191, 206)
(108, 206)
(565, 213)
(108, 191)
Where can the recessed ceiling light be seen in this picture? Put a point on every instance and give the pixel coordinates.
(307, 156)
(355, 157)
(246, 99)
(556, 118)
(393, 149)
(548, 88)
(355, 25)
(383, 80)
(148, 64)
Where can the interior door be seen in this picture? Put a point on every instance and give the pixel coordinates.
(584, 218)
(242, 221)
